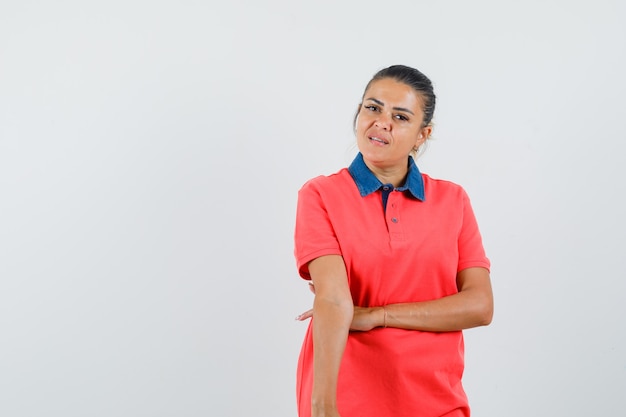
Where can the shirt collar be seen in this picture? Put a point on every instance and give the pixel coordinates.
(367, 182)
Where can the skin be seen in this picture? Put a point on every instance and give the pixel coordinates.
(471, 307)
(388, 128)
(333, 311)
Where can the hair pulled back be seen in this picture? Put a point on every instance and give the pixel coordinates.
(414, 79)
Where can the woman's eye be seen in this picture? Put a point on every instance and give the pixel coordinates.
(371, 107)
(401, 117)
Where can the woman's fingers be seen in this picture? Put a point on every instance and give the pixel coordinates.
(306, 315)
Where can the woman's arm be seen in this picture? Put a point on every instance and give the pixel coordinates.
(333, 310)
(472, 306)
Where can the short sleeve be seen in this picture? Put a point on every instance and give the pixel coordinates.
(314, 233)
(471, 250)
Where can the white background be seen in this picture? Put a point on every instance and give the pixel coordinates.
(150, 157)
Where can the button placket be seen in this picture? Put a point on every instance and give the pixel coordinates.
(394, 218)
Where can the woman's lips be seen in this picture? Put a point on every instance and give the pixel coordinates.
(378, 140)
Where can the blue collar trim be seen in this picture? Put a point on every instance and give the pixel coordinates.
(367, 182)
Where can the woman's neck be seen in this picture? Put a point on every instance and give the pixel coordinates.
(394, 176)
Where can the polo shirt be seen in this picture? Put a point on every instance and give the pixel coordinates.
(399, 245)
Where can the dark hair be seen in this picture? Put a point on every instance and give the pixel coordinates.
(414, 79)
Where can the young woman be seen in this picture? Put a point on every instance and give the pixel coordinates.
(397, 266)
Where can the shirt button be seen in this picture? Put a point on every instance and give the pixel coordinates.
(386, 188)
(393, 219)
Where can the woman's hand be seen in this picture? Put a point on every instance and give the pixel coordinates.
(367, 318)
(364, 318)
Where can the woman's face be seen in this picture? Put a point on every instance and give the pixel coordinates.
(389, 124)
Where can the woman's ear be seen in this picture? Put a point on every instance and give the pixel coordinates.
(423, 135)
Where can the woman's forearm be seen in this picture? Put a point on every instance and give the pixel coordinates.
(333, 310)
(472, 306)
(455, 312)
(330, 332)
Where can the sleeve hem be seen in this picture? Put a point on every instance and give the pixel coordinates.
(473, 264)
(303, 261)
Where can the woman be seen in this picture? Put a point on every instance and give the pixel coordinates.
(397, 266)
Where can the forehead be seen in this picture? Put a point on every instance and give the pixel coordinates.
(394, 93)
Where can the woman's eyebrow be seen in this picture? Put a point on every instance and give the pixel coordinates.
(380, 103)
(376, 101)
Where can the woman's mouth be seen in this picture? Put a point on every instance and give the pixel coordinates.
(379, 140)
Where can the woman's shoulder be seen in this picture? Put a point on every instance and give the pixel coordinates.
(442, 186)
(328, 182)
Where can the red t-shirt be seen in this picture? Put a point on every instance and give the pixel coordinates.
(409, 252)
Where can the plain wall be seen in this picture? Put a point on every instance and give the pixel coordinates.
(150, 157)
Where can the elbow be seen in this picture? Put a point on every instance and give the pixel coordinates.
(479, 310)
(340, 305)
(485, 312)
(486, 318)
(345, 307)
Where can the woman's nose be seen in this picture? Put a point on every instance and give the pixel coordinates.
(383, 121)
